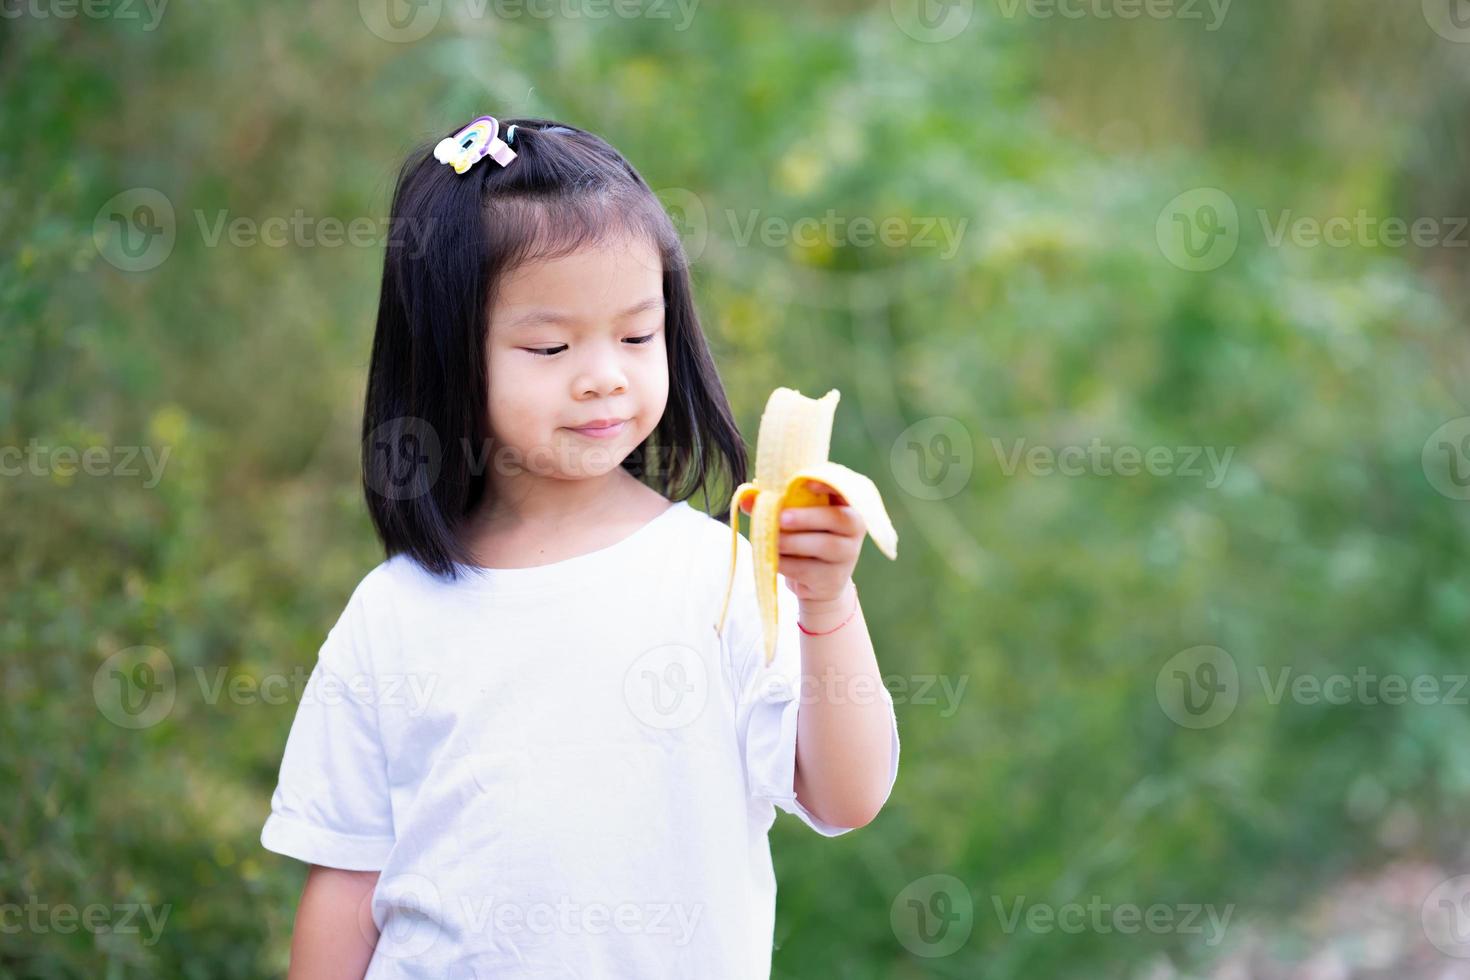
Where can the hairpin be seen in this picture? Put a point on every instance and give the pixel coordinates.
(478, 139)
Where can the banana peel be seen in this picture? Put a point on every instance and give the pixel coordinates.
(792, 448)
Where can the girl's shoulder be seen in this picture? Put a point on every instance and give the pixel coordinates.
(392, 584)
(393, 575)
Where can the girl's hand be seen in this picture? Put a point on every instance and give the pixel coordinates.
(818, 546)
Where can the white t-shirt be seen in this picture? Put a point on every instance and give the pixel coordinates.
(559, 771)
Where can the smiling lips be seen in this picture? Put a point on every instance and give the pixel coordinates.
(601, 428)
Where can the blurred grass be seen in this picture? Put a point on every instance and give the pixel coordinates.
(1058, 320)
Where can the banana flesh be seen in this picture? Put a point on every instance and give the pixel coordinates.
(791, 448)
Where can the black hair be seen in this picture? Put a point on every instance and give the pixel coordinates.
(453, 237)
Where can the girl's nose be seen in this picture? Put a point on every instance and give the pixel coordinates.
(604, 376)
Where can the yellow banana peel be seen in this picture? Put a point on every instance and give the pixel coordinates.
(791, 448)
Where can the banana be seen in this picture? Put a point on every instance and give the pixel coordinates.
(791, 448)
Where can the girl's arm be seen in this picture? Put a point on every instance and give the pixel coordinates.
(335, 934)
(844, 749)
(840, 741)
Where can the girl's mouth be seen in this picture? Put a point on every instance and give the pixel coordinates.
(605, 432)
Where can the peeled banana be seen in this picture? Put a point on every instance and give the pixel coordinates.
(791, 448)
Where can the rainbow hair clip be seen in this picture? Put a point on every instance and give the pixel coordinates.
(480, 138)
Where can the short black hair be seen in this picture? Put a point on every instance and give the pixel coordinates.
(452, 238)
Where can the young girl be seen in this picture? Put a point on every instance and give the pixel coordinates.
(524, 750)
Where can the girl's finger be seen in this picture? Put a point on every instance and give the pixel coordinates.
(794, 567)
(815, 544)
(843, 520)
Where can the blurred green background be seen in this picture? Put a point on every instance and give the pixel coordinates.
(1087, 665)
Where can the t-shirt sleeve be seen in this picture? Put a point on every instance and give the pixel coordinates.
(331, 805)
(769, 699)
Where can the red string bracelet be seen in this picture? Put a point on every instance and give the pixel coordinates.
(838, 626)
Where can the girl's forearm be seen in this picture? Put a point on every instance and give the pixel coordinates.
(843, 741)
(335, 935)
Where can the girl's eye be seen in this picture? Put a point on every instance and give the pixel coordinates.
(552, 351)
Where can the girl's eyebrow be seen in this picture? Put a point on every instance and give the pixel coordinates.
(536, 317)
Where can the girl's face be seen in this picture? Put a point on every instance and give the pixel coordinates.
(573, 341)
